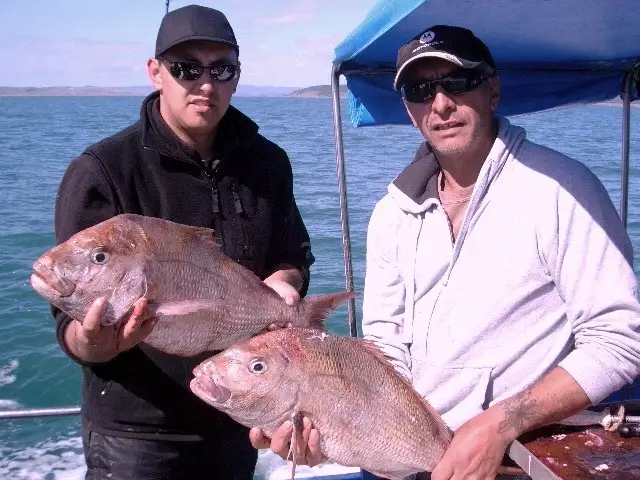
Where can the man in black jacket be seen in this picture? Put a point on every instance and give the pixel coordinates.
(193, 159)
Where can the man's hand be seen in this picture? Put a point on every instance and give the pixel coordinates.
(92, 342)
(476, 451)
(284, 289)
(307, 444)
(478, 446)
(285, 282)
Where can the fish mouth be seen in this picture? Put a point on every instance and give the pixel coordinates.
(206, 388)
(48, 283)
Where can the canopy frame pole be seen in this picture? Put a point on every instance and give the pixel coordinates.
(631, 77)
(342, 189)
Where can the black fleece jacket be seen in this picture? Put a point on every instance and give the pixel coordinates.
(246, 197)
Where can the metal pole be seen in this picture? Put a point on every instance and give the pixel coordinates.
(342, 188)
(166, 7)
(39, 412)
(626, 129)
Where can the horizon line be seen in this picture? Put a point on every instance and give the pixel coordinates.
(150, 87)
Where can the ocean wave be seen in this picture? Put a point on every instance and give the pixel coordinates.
(5, 373)
(10, 405)
(60, 459)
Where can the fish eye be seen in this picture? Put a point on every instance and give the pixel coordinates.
(258, 366)
(99, 256)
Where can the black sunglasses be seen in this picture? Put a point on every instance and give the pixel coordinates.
(457, 83)
(190, 71)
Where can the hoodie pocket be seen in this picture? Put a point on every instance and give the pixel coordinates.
(458, 393)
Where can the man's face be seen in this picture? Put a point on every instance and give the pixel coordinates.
(453, 124)
(194, 107)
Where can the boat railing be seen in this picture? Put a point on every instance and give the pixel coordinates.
(39, 412)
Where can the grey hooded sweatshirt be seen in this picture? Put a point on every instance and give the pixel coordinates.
(539, 276)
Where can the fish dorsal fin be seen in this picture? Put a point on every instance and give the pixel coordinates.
(376, 351)
(187, 233)
(207, 235)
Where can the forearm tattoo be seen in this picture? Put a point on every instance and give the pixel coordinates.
(521, 413)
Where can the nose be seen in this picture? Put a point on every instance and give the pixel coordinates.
(205, 82)
(206, 85)
(441, 102)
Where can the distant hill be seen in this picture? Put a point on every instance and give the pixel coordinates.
(318, 91)
(243, 91)
(73, 91)
(257, 91)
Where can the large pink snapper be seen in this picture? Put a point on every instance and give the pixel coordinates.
(204, 300)
(367, 415)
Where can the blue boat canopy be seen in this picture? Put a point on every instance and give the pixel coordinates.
(549, 53)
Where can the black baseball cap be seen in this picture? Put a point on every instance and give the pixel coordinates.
(193, 22)
(455, 44)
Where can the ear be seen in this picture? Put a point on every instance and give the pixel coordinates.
(494, 84)
(154, 72)
(413, 120)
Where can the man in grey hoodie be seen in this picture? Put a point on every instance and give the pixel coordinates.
(499, 276)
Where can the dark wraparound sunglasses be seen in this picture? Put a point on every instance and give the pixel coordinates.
(457, 83)
(220, 73)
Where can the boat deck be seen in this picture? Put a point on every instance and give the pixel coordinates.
(574, 453)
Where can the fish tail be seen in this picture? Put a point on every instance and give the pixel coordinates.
(318, 308)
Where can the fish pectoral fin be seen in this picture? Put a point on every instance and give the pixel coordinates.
(296, 436)
(292, 455)
(184, 307)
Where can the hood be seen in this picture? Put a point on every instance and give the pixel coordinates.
(415, 190)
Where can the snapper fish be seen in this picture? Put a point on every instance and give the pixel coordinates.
(204, 300)
(367, 414)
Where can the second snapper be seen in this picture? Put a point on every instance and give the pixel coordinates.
(367, 415)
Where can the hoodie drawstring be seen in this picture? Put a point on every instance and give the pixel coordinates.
(410, 283)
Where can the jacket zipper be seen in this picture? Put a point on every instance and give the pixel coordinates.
(212, 179)
(236, 198)
(215, 194)
(237, 202)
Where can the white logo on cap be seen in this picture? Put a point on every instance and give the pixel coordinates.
(427, 37)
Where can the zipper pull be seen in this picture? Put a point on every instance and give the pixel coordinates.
(215, 198)
(237, 203)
